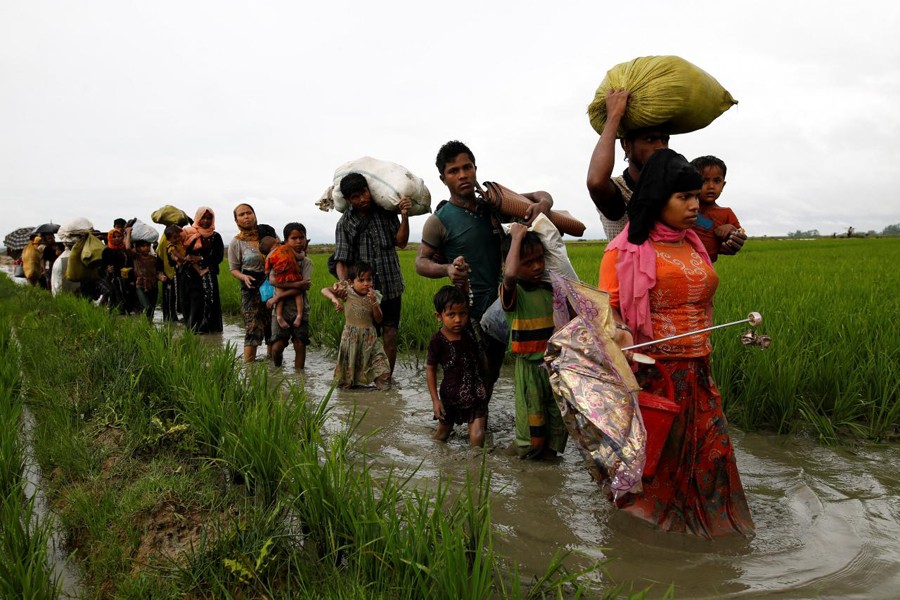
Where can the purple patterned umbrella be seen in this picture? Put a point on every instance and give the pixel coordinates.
(595, 388)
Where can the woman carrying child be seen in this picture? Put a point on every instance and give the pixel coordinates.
(661, 283)
(361, 356)
(463, 395)
(198, 273)
(282, 267)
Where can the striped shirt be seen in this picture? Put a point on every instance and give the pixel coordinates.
(530, 317)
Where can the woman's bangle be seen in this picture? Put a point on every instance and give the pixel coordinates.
(624, 327)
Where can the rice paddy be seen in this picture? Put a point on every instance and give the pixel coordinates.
(175, 473)
(832, 307)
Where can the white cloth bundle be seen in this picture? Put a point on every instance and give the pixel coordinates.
(74, 229)
(556, 258)
(387, 183)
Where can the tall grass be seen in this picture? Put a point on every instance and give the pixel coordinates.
(169, 426)
(832, 308)
(25, 571)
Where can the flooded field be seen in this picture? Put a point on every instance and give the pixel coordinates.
(827, 520)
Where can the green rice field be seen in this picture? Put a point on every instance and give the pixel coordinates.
(173, 471)
(830, 305)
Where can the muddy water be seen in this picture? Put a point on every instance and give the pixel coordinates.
(828, 521)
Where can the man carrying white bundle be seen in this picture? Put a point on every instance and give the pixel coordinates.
(369, 233)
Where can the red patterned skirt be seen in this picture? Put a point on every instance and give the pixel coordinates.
(696, 488)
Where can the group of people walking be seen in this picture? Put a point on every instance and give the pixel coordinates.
(665, 229)
(122, 271)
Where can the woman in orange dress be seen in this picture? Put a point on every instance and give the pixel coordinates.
(661, 283)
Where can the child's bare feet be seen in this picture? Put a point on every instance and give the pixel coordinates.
(297, 321)
(281, 322)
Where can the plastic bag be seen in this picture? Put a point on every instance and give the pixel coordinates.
(666, 92)
(387, 183)
(266, 291)
(141, 232)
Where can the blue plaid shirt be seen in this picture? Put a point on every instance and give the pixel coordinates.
(373, 240)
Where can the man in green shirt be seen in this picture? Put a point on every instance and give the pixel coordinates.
(461, 241)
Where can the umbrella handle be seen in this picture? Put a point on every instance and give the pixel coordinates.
(754, 319)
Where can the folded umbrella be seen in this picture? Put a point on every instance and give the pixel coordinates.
(595, 388)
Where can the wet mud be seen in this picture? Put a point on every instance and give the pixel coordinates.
(827, 520)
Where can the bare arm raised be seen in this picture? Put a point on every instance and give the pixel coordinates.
(602, 190)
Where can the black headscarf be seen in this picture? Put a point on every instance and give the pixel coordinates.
(664, 174)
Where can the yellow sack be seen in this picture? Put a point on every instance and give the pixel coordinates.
(92, 251)
(169, 215)
(162, 251)
(76, 270)
(666, 92)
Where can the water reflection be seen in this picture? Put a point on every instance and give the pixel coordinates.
(827, 521)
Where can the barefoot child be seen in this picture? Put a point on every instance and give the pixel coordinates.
(361, 356)
(463, 396)
(281, 267)
(717, 226)
(528, 302)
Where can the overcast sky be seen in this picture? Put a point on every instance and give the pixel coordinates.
(114, 108)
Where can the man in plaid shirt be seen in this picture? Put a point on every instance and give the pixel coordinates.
(366, 232)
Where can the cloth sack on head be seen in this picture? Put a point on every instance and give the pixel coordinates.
(74, 229)
(387, 183)
(556, 258)
(141, 232)
(170, 215)
(667, 92)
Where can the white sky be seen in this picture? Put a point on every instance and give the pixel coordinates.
(114, 108)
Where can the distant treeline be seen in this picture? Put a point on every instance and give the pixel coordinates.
(850, 232)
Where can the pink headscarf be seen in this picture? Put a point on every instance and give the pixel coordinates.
(636, 270)
(205, 231)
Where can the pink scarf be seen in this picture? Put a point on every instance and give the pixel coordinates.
(205, 232)
(636, 270)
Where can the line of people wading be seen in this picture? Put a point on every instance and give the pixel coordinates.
(665, 229)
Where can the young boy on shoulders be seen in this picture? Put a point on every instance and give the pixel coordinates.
(717, 226)
(528, 303)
